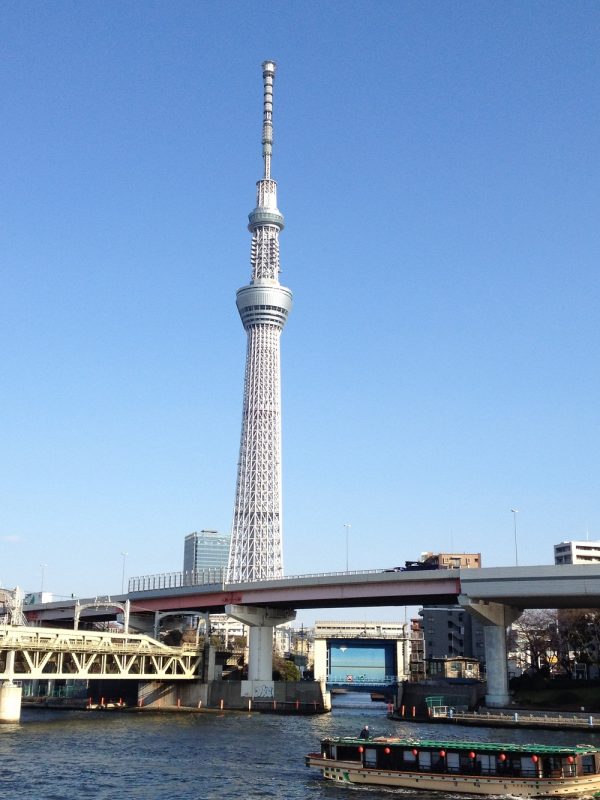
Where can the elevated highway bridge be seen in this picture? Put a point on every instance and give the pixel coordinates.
(564, 586)
(496, 596)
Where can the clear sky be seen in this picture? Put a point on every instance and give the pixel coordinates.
(439, 174)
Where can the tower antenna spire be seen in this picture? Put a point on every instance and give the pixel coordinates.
(267, 130)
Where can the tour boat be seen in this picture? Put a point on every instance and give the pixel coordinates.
(523, 770)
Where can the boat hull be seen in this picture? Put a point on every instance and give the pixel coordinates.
(351, 772)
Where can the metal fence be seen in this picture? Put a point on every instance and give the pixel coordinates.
(217, 576)
(175, 580)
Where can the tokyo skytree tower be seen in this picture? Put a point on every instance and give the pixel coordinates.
(256, 537)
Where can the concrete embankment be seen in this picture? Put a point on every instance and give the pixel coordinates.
(302, 697)
(510, 718)
(523, 718)
(294, 697)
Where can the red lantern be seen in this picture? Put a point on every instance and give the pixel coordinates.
(534, 759)
(502, 757)
(360, 748)
(472, 754)
(387, 751)
(442, 753)
(415, 752)
(570, 760)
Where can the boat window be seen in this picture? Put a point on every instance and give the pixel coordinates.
(560, 766)
(348, 753)
(408, 756)
(333, 751)
(425, 759)
(527, 766)
(587, 764)
(486, 764)
(370, 757)
(452, 762)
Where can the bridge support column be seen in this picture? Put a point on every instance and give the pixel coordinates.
(495, 617)
(261, 622)
(10, 694)
(320, 660)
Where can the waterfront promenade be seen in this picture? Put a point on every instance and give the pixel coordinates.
(514, 718)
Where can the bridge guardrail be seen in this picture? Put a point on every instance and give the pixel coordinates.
(362, 681)
(217, 577)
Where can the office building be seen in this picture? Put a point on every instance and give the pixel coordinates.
(205, 550)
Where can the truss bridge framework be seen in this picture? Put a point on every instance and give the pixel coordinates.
(53, 653)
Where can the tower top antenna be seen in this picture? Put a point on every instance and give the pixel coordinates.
(267, 130)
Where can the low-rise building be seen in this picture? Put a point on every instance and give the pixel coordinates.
(454, 667)
(451, 560)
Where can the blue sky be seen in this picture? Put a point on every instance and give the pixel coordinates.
(439, 175)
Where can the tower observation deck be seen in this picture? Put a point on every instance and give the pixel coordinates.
(256, 537)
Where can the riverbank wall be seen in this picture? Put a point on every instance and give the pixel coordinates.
(294, 697)
(412, 699)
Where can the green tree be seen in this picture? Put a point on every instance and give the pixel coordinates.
(284, 670)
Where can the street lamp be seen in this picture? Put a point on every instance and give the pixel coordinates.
(347, 526)
(515, 511)
(124, 556)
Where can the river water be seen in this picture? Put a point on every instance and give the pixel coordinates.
(78, 755)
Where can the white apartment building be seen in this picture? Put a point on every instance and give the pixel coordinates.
(577, 553)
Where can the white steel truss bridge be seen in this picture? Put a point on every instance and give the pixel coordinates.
(52, 653)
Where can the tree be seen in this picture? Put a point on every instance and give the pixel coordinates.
(550, 639)
(536, 638)
(580, 629)
(284, 670)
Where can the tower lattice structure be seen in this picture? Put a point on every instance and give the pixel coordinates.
(256, 536)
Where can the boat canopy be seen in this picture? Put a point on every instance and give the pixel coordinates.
(460, 744)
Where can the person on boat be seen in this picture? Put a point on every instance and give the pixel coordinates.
(364, 734)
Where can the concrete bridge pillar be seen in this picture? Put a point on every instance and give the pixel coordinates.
(495, 617)
(10, 694)
(320, 660)
(261, 622)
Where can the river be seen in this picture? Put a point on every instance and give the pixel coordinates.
(77, 755)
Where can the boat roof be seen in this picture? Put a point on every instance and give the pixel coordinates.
(461, 744)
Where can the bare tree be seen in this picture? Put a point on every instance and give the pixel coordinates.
(536, 636)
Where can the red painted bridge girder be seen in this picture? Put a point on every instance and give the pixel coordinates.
(378, 589)
(342, 590)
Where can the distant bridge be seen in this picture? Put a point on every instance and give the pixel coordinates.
(360, 684)
(50, 653)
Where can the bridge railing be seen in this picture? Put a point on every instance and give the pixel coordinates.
(218, 575)
(176, 580)
(361, 680)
